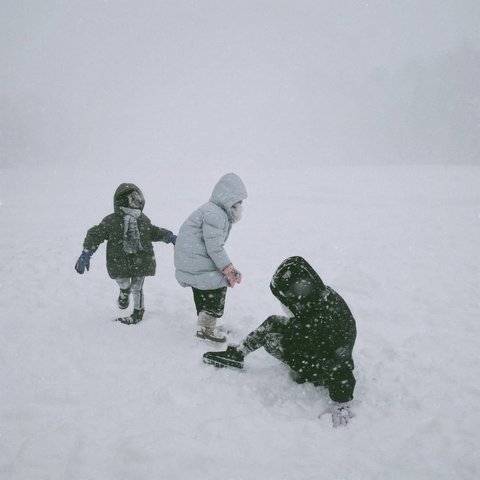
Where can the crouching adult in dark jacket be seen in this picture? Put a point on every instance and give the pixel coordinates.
(315, 339)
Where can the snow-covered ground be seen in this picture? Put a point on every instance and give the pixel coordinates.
(84, 398)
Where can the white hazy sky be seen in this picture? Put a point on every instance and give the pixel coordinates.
(274, 81)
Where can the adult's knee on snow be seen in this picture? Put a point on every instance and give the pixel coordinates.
(273, 345)
(274, 323)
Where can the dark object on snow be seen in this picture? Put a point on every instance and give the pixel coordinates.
(231, 357)
(317, 342)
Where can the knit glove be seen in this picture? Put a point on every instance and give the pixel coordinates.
(170, 238)
(232, 274)
(341, 413)
(83, 261)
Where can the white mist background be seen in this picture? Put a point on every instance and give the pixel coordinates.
(233, 82)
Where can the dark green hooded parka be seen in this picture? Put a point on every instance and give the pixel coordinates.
(111, 228)
(318, 342)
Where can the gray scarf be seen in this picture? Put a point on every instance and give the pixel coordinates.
(131, 234)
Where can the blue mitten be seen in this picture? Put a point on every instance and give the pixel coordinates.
(83, 261)
(170, 238)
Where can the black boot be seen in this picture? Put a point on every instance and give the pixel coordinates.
(124, 298)
(231, 357)
(132, 319)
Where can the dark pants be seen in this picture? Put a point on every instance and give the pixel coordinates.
(268, 335)
(210, 301)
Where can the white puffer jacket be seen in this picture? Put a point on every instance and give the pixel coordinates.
(200, 256)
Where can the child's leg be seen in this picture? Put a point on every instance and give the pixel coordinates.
(211, 302)
(210, 305)
(137, 292)
(124, 296)
(268, 335)
(123, 283)
(135, 285)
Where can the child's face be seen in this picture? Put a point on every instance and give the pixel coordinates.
(135, 200)
(236, 211)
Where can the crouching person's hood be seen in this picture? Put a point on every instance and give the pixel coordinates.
(296, 284)
(123, 195)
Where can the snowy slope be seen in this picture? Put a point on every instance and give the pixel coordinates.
(84, 398)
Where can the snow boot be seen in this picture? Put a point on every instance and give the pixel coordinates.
(231, 357)
(124, 298)
(207, 329)
(211, 334)
(132, 319)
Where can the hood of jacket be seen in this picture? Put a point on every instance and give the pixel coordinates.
(120, 197)
(297, 285)
(228, 191)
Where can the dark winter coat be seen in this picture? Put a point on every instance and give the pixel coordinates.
(318, 342)
(119, 263)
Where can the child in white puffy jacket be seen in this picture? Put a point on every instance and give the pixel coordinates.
(201, 261)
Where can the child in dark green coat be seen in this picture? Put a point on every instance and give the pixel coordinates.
(130, 257)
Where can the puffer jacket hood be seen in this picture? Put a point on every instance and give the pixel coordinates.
(296, 284)
(228, 191)
(121, 194)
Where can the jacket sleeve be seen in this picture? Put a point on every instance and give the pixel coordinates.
(158, 234)
(340, 372)
(97, 234)
(155, 234)
(331, 365)
(214, 237)
(340, 364)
